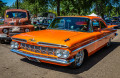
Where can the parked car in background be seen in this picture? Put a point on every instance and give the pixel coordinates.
(1, 21)
(68, 41)
(114, 22)
(42, 16)
(16, 21)
(108, 22)
(44, 24)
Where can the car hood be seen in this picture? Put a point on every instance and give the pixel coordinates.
(62, 37)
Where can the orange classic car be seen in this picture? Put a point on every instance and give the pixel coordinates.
(68, 41)
(16, 21)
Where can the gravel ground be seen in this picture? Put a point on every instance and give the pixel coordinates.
(103, 64)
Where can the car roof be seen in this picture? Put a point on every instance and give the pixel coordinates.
(90, 17)
(16, 10)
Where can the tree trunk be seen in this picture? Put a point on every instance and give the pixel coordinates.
(58, 7)
(17, 4)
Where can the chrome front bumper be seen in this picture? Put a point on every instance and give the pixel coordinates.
(4, 37)
(61, 61)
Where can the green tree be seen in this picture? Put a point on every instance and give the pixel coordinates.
(3, 7)
(71, 7)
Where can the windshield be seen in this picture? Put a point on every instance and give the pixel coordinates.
(71, 23)
(16, 14)
(47, 21)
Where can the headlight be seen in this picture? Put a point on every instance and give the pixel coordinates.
(62, 53)
(27, 30)
(59, 53)
(5, 31)
(14, 45)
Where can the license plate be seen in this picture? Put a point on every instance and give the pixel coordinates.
(33, 59)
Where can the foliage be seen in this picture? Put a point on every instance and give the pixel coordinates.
(3, 7)
(70, 7)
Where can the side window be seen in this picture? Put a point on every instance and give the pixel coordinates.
(96, 25)
(28, 15)
(102, 25)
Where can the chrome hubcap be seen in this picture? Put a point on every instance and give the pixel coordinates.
(27, 30)
(79, 58)
(5, 31)
(109, 43)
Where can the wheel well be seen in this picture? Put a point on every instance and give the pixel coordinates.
(86, 53)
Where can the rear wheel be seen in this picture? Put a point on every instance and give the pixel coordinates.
(5, 31)
(79, 58)
(109, 42)
(27, 30)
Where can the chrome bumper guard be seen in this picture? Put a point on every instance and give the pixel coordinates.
(61, 61)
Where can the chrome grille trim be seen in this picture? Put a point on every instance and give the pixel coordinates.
(20, 40)
(38, 49)
(50, 44)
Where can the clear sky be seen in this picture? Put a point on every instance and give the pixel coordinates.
(9, 2)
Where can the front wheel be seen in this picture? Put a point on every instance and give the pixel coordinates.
(2, 41)
(79, 58)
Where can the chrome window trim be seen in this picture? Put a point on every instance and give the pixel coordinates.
(50, 44)
(90, 43)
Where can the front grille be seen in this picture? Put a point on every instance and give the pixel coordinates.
(38, 49)
(21, 30)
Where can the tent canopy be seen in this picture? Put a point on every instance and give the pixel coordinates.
(93, 14)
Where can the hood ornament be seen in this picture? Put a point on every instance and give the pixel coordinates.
(32, 40)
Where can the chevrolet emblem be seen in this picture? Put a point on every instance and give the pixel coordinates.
(32, 40)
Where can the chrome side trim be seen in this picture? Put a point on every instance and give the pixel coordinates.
(21, 40)
(50, 44)
(61, 61)
(90, 43)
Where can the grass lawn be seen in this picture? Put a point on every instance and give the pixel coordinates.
(1, 23)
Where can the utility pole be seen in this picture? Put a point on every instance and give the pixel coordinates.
(17, 4)
(58, 7)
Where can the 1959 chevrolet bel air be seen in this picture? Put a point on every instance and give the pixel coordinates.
(66, 42)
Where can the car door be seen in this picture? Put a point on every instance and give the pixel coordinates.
(99, 35)
(105, 31)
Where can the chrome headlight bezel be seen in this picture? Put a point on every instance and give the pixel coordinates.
(62, 53)
(14, 45)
